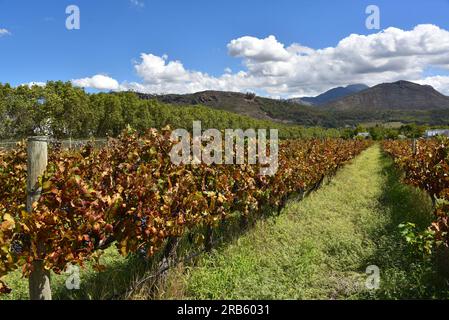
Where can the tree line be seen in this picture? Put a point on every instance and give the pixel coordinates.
(61, 110)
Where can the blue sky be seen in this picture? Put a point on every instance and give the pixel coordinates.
(37, 46)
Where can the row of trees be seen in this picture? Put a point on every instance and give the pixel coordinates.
(62, 110)
(380, 132)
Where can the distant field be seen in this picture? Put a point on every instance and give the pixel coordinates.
(388, 125)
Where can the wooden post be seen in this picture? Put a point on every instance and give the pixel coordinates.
(208, 239)
(39, 282)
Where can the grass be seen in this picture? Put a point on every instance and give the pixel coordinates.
(120, 274)
(319, 248)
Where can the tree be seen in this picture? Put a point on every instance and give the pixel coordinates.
(412, 130)
(112, 121)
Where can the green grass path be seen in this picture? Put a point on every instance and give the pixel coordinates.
(319, 248)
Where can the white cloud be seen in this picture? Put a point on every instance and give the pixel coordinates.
(440, 83)
(4, 32)
(154, 69)
(275, 69)
(98, 81)
(261, 50)
(34, 83)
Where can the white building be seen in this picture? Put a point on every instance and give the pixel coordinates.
(363, 134)
(436, 132)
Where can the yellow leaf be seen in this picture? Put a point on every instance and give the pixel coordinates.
(46, 185)
(8, 217)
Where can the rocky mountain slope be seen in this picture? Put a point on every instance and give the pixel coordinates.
(400, 95)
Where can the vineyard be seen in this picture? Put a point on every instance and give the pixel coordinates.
(426, 165)
(130, 194)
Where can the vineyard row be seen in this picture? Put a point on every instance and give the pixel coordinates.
(131, 194)
(425, 164)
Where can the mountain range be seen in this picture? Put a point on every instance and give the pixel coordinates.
(400, 101)
(330, 95)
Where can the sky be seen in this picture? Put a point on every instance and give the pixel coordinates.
(283, 48)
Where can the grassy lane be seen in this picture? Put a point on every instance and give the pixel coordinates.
(319, 248)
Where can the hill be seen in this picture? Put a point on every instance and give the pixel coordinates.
(248, 104)
(245, 104)
(400, 95)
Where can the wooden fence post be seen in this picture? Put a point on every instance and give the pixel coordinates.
(208, 239)
(39, 282)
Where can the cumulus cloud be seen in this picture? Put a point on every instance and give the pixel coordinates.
(154, 69)
(275, 69)
(261, 50)
(4, 32)
(98, 81)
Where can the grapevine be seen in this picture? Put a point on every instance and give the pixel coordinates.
(426, 166)
(131, 194)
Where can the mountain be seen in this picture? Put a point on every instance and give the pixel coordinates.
(330, 95)
(247, 104)
(400, 95)
(400, 101)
